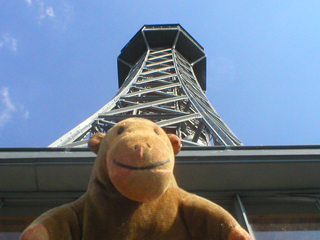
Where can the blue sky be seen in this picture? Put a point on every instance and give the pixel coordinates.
(58, 64)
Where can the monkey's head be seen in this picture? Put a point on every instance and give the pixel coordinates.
(138, 157)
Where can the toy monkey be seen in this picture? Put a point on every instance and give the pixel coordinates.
(133, 195)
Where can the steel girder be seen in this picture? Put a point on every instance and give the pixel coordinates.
(162, 87)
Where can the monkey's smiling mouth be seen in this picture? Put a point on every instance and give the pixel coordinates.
(140, 168)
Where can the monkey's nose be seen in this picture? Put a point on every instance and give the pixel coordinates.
(139, 150)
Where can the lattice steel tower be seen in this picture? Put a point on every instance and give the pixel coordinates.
(162, 77)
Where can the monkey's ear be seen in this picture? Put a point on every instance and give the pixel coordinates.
(176, 142)
(94, 142)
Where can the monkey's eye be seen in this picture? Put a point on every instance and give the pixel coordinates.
(120, 130)
(156, 131)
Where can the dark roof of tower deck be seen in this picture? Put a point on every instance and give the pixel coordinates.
(163, 36)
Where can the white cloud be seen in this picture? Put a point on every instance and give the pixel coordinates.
(12, 43)
(26, 114)
(41, 10)
(57, 13)
(8, 109)
(44, 11)
(50, 12)
(9, 42)
(65, 15)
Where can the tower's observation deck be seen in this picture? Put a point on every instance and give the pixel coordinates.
(162, 77)
(161, 37)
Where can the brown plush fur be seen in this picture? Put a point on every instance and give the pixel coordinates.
(132, 195)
